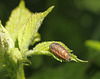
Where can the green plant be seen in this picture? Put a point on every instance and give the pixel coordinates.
(20, 32)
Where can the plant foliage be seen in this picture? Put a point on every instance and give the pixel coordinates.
(20, 32)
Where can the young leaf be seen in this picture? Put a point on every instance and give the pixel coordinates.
(18, 17)
(74, 58)
(5, 42)
(30, 28)
(15, 54)
(43, 49)
(36, 38)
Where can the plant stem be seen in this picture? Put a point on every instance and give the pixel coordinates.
(20, 71)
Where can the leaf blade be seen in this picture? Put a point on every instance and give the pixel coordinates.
(28, 31)
(43, 49)
(5, 44)
(18, 17)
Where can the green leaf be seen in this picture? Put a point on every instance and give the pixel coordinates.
(15, 54)
(30, 28)
(36, 38)
(43, 49)
(74, 58)
(5, 43)
(19, 16)
(93, 44)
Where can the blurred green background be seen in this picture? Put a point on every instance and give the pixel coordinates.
(72, 22)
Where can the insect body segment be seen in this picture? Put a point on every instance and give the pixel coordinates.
(59, 51)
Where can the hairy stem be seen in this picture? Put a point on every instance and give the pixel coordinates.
(20, 71)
